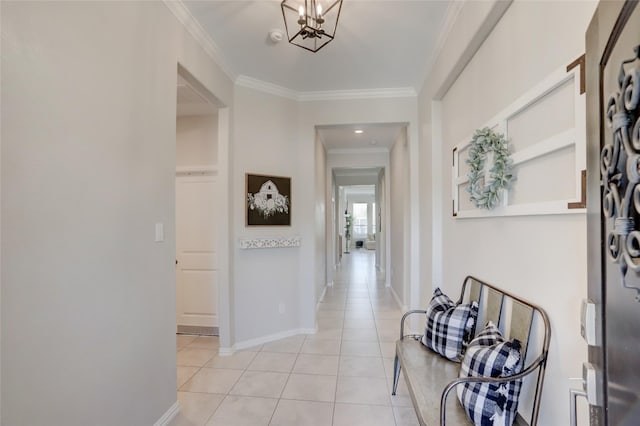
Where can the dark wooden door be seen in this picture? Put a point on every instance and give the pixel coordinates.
(613, 97)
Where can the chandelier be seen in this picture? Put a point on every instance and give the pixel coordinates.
(309, 24)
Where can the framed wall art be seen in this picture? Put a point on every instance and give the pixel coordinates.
(268, 200)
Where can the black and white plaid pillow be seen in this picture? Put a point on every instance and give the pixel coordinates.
(449, 326)
(489, 355)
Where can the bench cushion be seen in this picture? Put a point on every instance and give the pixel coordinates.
(449, 326)
(490, 355)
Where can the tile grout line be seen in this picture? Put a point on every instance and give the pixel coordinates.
(335, 393)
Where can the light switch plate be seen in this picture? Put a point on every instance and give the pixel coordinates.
(159, 232)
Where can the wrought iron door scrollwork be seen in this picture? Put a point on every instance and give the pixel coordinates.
(620, 171)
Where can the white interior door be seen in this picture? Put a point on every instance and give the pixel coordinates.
(196, 242)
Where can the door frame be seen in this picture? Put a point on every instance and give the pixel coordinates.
(609, 18)
(224, 243)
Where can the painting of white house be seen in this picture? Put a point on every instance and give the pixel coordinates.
(268, 200)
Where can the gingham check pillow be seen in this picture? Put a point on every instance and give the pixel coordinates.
(449, 326)
(489, 355)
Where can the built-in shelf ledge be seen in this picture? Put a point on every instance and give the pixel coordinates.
(261, 243)
(196, 171)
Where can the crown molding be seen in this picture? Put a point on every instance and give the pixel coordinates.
(493, 16)
(358, 151)
(333, 95)
(270, 88)
(193, 27)
(274, 89)
(371, 171)
(453, 10)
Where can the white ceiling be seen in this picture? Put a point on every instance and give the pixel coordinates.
(373, 136)
(378, 45)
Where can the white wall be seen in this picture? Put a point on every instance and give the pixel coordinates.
(197, 141)
(398, 201)
(382, 227)
(473, 22)
(541, 258)
(272, 130)
(88, 166)
(265, 143)
(322, 218)
(337, 226)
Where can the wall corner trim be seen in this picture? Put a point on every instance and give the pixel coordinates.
(579, 62)
(582, 204)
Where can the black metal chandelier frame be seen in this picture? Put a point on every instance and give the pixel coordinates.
(308, 24)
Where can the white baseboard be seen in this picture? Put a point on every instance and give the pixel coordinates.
(271, 337)
(402, 306)
(321, 298)
(225, 351)
(169, 415)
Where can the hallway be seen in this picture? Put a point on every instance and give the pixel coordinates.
(341, 376)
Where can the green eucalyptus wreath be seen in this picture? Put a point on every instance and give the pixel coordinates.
(486, 194)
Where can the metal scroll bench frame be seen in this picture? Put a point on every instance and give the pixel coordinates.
(430, 378)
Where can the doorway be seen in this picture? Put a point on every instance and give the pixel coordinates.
(197, 206)
(359, 206)
(359, 202)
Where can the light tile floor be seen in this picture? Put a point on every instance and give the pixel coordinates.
(340, 376)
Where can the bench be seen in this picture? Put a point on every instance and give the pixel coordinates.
(430, 378)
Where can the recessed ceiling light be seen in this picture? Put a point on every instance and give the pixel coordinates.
(358, 131)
